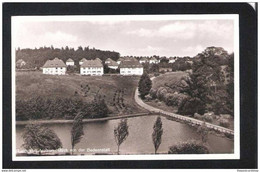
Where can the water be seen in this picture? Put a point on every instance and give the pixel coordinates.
(99, 135)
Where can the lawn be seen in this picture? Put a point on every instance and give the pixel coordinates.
(168, 78)
(33, 84)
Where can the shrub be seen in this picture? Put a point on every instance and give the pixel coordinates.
(224, 123)
(198, 116)
(189, 147)
(173, 99)
(161, 93)
(190, 106)
(153, 93)
(208, 118)
(157, 74)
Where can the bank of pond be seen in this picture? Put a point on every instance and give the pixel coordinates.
(99, 137)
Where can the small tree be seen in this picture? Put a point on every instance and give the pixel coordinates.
(203, 132)
(157, 133)
(121, 133)
(189, 147)
(38, 137)
(144, 86)
(77, 130)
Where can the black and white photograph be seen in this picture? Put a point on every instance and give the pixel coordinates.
(141, 86)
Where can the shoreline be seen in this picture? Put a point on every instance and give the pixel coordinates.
(65, 121)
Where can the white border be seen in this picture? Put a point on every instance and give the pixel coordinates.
(234, 17)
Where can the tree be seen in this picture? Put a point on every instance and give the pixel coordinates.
(189, 147)
(203, 132)
(38, 137)
(77, 130)
(157, 133)
(121, 133)
(230, 85)
(144, 86)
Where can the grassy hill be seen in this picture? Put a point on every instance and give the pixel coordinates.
(118, 91)
(168, 79)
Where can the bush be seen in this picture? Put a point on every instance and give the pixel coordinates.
(208, 118)
(161, 93)
(189, 147)
(157, 74)
(153, 93)
(190, 106)
(198, 116)
(174, 99)
(224, 123)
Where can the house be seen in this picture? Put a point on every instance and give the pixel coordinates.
(153, 60)
(109, 60)
(54, 67)
(165, 69)
(98, 59)
(92, 67)
(113, 65)
(82, 61)
(70, 62)
(120, 60)
(131, 67)
(172, 59)
(20, 63)
(143, 60)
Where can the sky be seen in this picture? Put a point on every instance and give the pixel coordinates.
(142, 37)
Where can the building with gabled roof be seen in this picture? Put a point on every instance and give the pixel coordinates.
(82, 61)
(153, 60)
(54, 67)
(112, 65)
(92, 67)
(131, 67)
(109, 60)
(120, 60)
(70, 62)
(143, 60)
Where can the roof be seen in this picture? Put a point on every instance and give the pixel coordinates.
(92, 63)
(153, 58)
(54, 63)
(112, 63)
(69, 60)
(143, 59)
(130, 64)
(109, 59)
(98, 59)
(120, 59)
(82, 60)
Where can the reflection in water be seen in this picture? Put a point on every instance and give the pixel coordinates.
(100, 135)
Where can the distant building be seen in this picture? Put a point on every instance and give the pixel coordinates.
(113, 65)
(120, 60)
(92, 67)
(131, 67)
(98, 59)
(20, 63)
(153, 60)
(143, 60)
(70, 62)
(165, 69)
(172, 59)
(54, 67)
(109, 60)
(82, 61)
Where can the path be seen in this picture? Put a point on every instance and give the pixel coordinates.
(140, 102)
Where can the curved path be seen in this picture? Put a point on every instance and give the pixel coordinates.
(194, 121)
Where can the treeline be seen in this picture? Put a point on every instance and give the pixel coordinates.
(37, 57)
(59, 108)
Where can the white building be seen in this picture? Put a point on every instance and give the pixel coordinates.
(131, 67)
(82, 61)
(143, 60)
(109, 60)
(92, 67)
(54, 67)
(113, 65)
(153, 60)
(70, 62)
(172, 59)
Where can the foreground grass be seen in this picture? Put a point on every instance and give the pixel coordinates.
(33, 84)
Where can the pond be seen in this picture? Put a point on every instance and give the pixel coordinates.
(100, 135)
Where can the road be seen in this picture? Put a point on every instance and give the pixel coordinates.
(140, 102)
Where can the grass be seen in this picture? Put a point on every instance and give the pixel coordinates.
(33, 84)
(168, 78)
